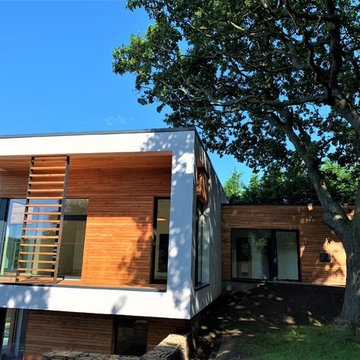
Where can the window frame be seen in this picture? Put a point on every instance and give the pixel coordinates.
(273, 258)
(4, 207)
(153, 280)
(199, 239)
(129, 323)
(74, 217)
(4, 210)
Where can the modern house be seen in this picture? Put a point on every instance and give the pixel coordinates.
(129, 236)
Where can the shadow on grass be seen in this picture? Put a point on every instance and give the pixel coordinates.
(267, 309)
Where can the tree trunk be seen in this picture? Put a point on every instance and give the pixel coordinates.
(351, 307)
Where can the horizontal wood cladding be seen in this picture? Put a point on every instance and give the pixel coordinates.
(119, 229)
(159, 329)
(314, 238)
(48, 330)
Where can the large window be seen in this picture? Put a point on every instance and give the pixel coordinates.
(264, 254)
(73, 236)
(161, 240)
(43, 225)
(12, 222)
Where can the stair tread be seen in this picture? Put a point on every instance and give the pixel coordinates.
(38, 245)
(40, 229)
(35, 269)
(36, 253)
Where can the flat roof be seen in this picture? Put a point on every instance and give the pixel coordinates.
(113, 132)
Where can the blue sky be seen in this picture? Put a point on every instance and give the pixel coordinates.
(56, 74)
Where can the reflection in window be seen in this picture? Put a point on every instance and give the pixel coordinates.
(13, 330)
(11, 243)
(201, 244)
(287, 255)
(130, 336)
(250, 253)
(265, 254)
(44, 225)
(161, 239)
(73, 236)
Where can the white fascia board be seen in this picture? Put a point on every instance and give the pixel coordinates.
(95, 143)
(95, 300)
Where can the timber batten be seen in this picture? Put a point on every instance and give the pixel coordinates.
(27, 259)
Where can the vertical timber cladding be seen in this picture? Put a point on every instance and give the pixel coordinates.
(119, 229)
(314, 238)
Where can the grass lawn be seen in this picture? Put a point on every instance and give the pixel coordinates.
(300, 343)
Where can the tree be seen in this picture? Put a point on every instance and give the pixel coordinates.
(264, 80)
(292, 186)
(232, 186)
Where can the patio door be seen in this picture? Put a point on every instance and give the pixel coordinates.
(287, 255)
(262, 254)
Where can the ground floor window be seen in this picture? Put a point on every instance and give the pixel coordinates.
(13, 324)
(130, 336)
(264, 254)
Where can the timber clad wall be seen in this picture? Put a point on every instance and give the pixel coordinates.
(159, 329)
(67, 331)
(314, 237)
(49, 330)
(119, 230)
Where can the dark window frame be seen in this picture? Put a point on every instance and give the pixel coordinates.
(273, 260)
(153, 246)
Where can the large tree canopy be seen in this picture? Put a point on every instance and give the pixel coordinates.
(265, 80)
(291, 187)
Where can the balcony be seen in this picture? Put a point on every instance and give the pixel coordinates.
(96, 232)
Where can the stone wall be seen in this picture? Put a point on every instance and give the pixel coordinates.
(173, 347)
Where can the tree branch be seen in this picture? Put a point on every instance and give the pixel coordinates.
(334, 216)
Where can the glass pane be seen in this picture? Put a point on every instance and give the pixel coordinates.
(287, 254)
(73, 237)
(6, 333)
(14, 223)
(201, 253)
(14, 333)
(131, 336)
(162, 239)
(76, 206)
(72, 247)
(250, 253)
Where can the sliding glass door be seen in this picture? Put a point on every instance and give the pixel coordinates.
(264, 254)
